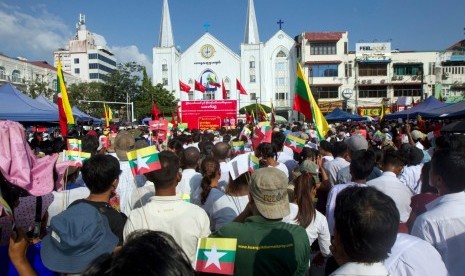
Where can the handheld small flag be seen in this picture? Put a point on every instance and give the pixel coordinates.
(254, 164)
(216, 255)
(77, 157)
(182, 126)
(261, 134)
(144, 160)
(295, 143)
(246, 132)
(185, 197)
(74, 145)
(238, 147)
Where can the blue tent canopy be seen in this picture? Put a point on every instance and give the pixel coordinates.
(340, 115)
(456, 110)
(84, 117)
(43, 100)
(16, 106)
(428, 105)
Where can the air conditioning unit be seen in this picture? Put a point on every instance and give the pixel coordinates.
(394, 78)
(368, 81)
(364, 82)
(382, 81)
(400, 77)
(414, 77)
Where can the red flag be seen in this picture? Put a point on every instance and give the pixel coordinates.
(248, 119)
(62, 116)
(155, 111)
(178, 117)
(173, 121)
(199, 87)
(215, 84)
(184, 87)
(240, 88)
(225, 95)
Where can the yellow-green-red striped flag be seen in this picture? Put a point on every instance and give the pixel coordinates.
(216, 255)
(144, 160)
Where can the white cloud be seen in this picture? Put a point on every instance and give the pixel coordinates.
(131, 53)
(33, 36)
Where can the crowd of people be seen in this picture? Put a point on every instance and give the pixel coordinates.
(369, 199)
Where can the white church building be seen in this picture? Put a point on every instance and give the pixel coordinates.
(265, 69)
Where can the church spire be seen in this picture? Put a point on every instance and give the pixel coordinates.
(251, 29)
(166, 33)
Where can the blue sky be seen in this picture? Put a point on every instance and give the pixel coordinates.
(34, 28)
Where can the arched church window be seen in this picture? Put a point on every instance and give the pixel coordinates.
(2, 73)
(281, 54)
(16, 76)
(164, 67)
(252, 63)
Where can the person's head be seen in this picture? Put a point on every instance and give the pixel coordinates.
(326, 148)
(176, 145)
(356, 143)
(340, 150)
(393, 161)
(168, 176)
(304, 193)
(307, 154)
(366, 224)
(239, 183)
(446, 173)
(90, 144)
(265, 151)
(101, 173)
(278, 138)
(210, 169)
(221, 151)
(124, 142)
(268, 193)
(363, 162)
(162, 256)
(191, 157)
(425, 184)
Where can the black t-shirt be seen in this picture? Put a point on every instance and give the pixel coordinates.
(116, 219)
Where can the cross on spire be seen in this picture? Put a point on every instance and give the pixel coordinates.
(280, 23)
(206, 26)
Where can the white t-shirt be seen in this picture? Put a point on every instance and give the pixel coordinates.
(61, 200)
(190, 181)
(186, 222)
(282, 168)
(226, 209)
(318, 228)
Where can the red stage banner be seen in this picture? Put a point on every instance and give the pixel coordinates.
(210, 114)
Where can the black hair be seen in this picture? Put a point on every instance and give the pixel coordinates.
(379, 156)
(303, 187)
(326, 146)
(190, 157)
(176, 145)
(226, 138)
(267, 150)
(306, 153)
(450, 166)
(165, 176)
(366, 220)
(413, 155)
(99, 172)
(393, 157)
(221, 150)
(362, 164)
(340, 149)
(209, 168)
(206, 148)
(236, 184)
(90, 144)
(278, 138)
(162, 256)
(425, 187)
(451, 141)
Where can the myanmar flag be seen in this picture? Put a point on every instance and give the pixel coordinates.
(216, 255)
(238, 147)
(306, 104)
(65, 112)
(74, 145)
(144, 160)
(295, 143)
(246, 132)
(253, 163)
(77, 157)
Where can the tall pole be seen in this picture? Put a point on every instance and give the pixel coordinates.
(356, 85)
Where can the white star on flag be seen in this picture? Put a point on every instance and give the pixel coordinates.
(78, 159)
(213, 257)
(142, 162)
(74, 145)
(293, 144)
(237, 148)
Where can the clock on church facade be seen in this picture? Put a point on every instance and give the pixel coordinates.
(207, 51)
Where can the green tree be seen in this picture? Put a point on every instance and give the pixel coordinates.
(37, 88)
(123, 83)
(149, 94)
(87, 91)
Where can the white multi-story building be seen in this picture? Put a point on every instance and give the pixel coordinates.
(23, 73)
(86, 55)
(265, 69)
(361, 80)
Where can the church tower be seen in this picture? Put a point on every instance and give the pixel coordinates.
(251, 56)
(165, 54)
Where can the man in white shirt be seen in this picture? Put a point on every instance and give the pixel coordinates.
(190, 177)
(166, 212)
(390, 185)
(341, 152)
(125, 142)
(443, 224)
(366, 229)
(361, 166)
(411, 256)
(411, 174)
(221, 152)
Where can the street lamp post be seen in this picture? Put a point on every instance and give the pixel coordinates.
(125, 103)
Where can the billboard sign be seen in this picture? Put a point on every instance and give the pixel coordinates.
(209, 114)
